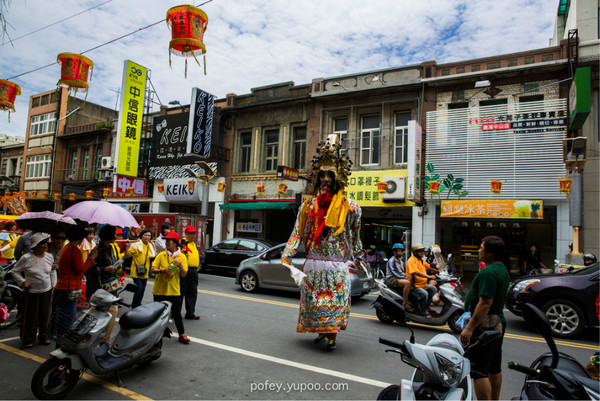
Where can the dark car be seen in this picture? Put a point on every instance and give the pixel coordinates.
(569, 300)
(228, 255)
(266, 271)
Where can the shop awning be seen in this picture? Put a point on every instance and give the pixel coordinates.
(255, 205)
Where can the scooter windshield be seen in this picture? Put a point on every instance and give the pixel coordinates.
(446, 341)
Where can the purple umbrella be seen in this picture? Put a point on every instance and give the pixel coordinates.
(101, 212)
(46, 222)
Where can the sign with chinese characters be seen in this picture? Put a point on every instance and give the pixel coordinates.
(493, 208)
(248, 227)
(287, 173)
(169, 142)
(123, 182)
(130, 118)
(201, 123)
(580, 97)
(362, 187)
(413, 179)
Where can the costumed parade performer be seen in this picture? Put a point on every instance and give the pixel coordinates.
(328, 225)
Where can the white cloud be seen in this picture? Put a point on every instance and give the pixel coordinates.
(251, 44)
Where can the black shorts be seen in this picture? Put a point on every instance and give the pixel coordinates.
(488, 359)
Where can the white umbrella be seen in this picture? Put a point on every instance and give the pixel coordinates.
(101, 212)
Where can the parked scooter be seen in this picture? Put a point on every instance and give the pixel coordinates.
(554, 375)
(442, 366)
(10, 296)
(82, 347)
(451, 293)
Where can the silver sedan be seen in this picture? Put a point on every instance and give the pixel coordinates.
(266, 271)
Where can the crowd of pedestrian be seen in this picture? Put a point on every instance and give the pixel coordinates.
(58, 271)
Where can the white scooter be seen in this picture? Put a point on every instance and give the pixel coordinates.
(82, 346)
(441, 366)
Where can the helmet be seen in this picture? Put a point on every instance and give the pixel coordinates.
(591, 257)
(427, 249)
(398, 246)
(416, 247)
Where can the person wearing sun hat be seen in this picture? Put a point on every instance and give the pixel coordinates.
(170, 266)
(189, 284)
(37, 284)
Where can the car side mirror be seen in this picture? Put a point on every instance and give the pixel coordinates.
(215, 248)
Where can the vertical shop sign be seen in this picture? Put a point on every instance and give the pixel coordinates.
(413, 181)
(130, 118)
(201, 123)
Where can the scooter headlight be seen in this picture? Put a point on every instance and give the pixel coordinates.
(450, 372)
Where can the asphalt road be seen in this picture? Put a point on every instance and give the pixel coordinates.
(245, 347)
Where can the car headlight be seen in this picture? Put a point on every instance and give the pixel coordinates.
(525, 284)
(450, 372)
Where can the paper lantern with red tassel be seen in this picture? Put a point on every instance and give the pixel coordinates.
(8, 93)
(72, 196)
(89, 194)
(221, 186)
(381, 186)
(74, 71)
(106, 192)
(496, 186)
(45, 195)
(188, 24)
(282, 189)
(57, 196)
(565, 186)
(161, 188)
(260, 188)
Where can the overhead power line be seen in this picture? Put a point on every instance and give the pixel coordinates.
(54, 23)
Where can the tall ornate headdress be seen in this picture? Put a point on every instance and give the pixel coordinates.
(328, 155)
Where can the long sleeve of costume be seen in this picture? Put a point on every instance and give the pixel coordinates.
(357, 248)
(297, 235)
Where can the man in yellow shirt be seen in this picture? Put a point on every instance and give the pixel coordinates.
(189, 284)
(8, 246)
(416, 271)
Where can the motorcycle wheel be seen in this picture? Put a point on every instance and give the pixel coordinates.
(147, 361)
(54, 379)
(11, 299)
(384, 317)
(390, 393)
(452, 321)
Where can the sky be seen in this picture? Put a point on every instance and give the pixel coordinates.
(256, 43)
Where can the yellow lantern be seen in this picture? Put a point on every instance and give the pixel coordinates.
(57, 196)
(221, 186)
(45, 195)
(381, 186)
(33, 194)
(129, 191)
(89, 194)
(106, 192)
(434, 187)
(260, 188)
(191, 184)
(565, 186)
(495, 186)
(282, 189)
(72, 196)
(161, 188)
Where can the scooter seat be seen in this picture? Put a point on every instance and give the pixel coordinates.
(142, 316)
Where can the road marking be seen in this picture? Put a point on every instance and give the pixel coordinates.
(9, 339)
(93, 379)
(298, 365)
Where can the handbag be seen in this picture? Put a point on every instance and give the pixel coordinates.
(141, 268)
(490, 322)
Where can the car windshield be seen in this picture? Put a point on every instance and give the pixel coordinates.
(587, 270)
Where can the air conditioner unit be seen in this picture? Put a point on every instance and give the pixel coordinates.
(395, 190)
(106, 162)
(106, 175)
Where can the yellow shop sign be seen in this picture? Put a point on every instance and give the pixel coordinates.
(493, 208)
(362, 187)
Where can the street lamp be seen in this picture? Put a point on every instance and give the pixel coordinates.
(176, 103)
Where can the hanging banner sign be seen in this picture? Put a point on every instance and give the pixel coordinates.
(362, 187)
(248, 228)
(199, 141)
(493, 208)
(130, 118)
(287, 173)
(138, 184)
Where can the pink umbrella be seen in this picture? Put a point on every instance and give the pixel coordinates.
(101, 212)
(44, 221)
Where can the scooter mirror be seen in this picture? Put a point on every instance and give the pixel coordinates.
(130, 287)
(538, 321)
(395, 310)
(487, 337)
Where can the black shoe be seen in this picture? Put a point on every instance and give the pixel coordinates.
(192, 317)
(320, 338)
(331, 345)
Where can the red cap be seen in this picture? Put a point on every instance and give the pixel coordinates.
(190, 229)
(119, 231)
(172, 235)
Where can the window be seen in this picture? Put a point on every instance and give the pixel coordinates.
(98, 161)
(229, 244)
(43, 124)
(533, 98)
(85, 163)
(245, 151)
(299, 148)
(35, 102)
(271, 149)
(38, 167)
(244, 245)
(73, 168)
(401, 138)
(369, 144)
(340, 128)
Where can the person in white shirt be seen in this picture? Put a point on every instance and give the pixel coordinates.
(37, 290)
(159, 243)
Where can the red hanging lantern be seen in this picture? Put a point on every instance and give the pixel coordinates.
(434, 187)
(89, 194)
(187, 24)
(565, 185)
(282, 189)
(45, 195)
(57, 196)
(381, 186)
(260, 188)
(8, 93)
(74, 71)
(33, 194)
(72, 196)
(129, 191)
(221, 186)
(191, 185)
(106, 192)
(161, 188)
(496, 186)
